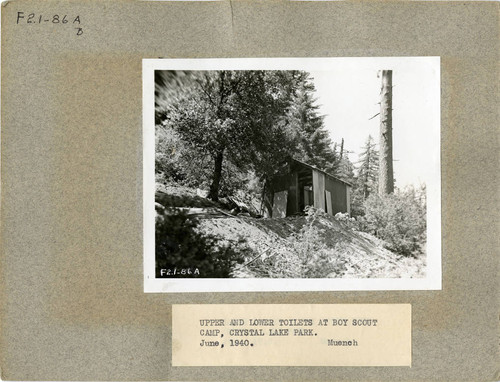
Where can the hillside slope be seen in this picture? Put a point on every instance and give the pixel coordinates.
(316, 245)
(275, 243)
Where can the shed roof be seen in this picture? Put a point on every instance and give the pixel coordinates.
(319, 170)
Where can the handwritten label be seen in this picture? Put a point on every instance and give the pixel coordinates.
(74, 21)
(291, 335)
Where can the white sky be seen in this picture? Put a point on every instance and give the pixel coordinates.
(348, 94)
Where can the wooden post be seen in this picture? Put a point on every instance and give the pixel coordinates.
(386, 173)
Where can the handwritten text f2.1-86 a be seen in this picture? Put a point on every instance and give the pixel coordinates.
(53, 18)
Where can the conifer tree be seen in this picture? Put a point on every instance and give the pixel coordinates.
(368, 168)
(366, 176)
(345, 170)
(307, 125)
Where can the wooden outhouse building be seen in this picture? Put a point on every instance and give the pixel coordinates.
(297, 185)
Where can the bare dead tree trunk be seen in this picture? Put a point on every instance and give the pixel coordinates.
(213, 194)
(386, 173)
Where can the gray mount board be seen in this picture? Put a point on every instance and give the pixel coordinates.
(73, 306)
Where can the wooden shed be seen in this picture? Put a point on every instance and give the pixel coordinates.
(298, 185)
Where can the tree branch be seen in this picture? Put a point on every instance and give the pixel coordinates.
(206, 92)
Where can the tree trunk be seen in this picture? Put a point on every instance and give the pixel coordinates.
(266, 208)
(386, 174)
(367, 169)
(213, 194)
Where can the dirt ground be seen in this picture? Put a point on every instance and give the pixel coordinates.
(364, 255)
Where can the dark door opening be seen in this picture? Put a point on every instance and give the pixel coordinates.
(305, 183)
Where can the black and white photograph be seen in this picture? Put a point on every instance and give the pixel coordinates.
(291, 174)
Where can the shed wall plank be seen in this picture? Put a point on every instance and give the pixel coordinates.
(328, 197)
(338, 191)
(319, 189)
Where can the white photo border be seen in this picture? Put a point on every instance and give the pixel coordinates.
(432, 280)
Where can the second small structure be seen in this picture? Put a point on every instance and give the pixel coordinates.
(297, 185)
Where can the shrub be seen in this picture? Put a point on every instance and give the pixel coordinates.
(179, 245)
(306, 256)
(318, 261)
(399, 219)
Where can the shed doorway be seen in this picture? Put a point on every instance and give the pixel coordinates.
(305, 185)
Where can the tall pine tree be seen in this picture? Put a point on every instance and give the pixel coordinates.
(313, 144)
(366, 176)
(368, 168)
(345, 170)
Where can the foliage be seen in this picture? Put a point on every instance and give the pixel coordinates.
(228, 124)
(178, 161)
(304, 254)
(368, 168)
(229, 116)
(345, 170)
(179, 245)
(398, 218)
(318, 261)
(311, 137)
(366, 177)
